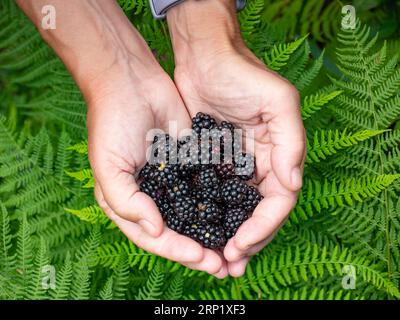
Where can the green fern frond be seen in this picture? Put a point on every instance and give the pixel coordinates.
(109, 255)
(175, 289)
(7, 259)
(84, 175)
(327, 143)
(314, 103)
(250, 16)
(272, 273)
(25, 247)
(36, 289)
(153, 288)
(316, 196)
(81, 147)
(85, 260)
(106, 293)
(63, 280)
(91, 214)
(280, 54)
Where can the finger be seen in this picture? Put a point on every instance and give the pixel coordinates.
(123, 196)
(211, 263)
(286, 131)
(169, 244)
(222, 273)
(238, 268)
(267, 218)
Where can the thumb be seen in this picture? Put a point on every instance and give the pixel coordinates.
(123, 196)
(288, 139)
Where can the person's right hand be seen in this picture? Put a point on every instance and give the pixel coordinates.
(121, 112)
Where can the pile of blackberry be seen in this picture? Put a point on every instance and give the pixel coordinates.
(199, 182)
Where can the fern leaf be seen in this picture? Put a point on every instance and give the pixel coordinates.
(327, 143)
(152, 289)
(280, 54)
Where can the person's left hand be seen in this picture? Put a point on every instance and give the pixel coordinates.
(224, 79)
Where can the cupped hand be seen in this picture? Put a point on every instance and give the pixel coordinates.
(234, 85)
(122, 110)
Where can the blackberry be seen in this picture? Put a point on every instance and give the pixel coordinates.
(207, 193)
(178, 190)
(147, 172)
(244, 166)
(251, 200)
(233, 191)
(191, 230)
(232, 220)
(174, 223)
(207, 178)
(164, 206)
(208, 211)
(203, 121)
(185, 209)
(211, 236)
(166, 174)
(151, 188)
(203, 195)
(225, 170)
(226, 125)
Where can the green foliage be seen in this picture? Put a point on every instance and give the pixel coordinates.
(348, 213)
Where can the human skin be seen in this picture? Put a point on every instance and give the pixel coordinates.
(217, 74)
(127, 94)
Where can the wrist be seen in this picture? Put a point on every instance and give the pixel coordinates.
(95, 41)
(201, 30)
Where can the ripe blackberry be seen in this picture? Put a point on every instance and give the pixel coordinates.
(226, 125)
(208, 211)
(164, 205)
(232, 220)
(207, 193)
(178, 190)
(211, 236)
(147, 172)
(185, 209)
(207, 178)
(174, 223)
(151, 188)
(225, 170)
(203, 121)
(251, 200)
(245, 166)
(233, 191)
(166, 174)
(191, 230)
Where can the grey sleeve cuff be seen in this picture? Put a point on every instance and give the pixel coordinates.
(159, 8)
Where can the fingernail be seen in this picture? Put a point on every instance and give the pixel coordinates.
(296, 178)
(147, 226)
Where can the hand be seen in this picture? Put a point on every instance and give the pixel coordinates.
(121, 112)
(223, 78)
(127, 94)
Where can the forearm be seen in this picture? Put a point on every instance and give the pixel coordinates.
(205, 27)
(92, 37)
